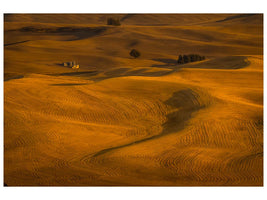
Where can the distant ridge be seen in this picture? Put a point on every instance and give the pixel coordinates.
(235, 17)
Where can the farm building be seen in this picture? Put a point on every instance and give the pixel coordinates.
(71, 64)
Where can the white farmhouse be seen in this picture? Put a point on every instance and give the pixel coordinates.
(71, 64)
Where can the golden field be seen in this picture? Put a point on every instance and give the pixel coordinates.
(120, 121)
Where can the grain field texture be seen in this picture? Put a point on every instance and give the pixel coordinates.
(120, 121)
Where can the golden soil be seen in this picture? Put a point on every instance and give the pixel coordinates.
(124, 121)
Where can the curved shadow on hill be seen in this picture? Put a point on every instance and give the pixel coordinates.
(83, 73)
(11, 76)
(235, 17)
(166, 63)
(79, 33)
(228, 62)
(185, 102)
(16, 43)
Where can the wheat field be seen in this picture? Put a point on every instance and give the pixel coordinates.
(121, 121)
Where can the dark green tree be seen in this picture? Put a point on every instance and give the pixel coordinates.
(180, 60)
(113, 21)
(186, 58)
(134, 53)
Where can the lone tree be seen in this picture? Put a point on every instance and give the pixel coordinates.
(134, 53)
(113, 21)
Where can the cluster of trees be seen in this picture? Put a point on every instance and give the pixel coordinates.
(189, 58)
(113, 21)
